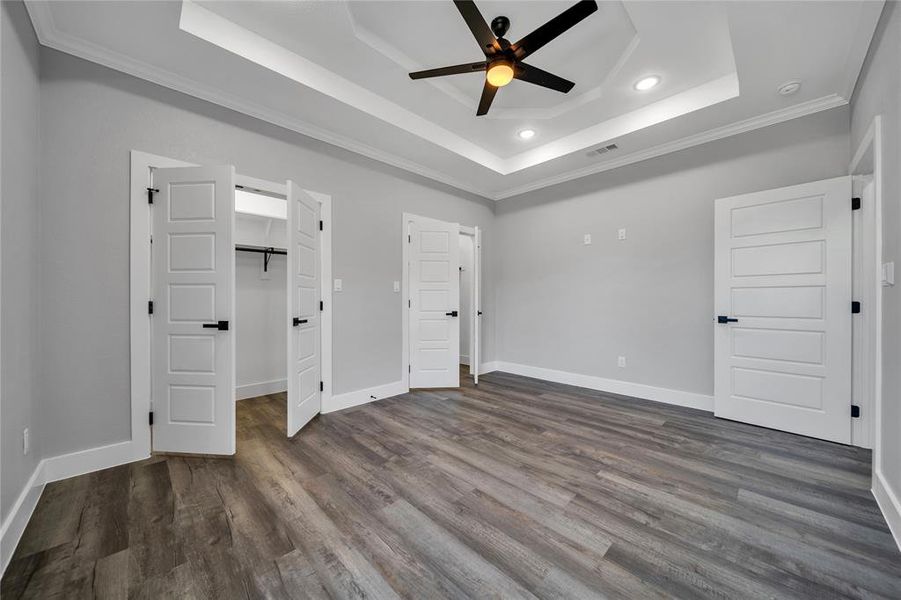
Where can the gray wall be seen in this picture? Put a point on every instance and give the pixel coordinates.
(19, 235)
(94, 116)
(567, 306)
(878, 92)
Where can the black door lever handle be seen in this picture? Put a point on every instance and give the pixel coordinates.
(221, 325)
(299, 321)
(452, 313)
(724, 319)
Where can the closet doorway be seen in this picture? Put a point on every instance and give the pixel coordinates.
(232, 267)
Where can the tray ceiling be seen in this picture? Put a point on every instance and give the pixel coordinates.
(337, 71)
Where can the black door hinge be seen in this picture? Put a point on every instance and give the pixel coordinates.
(321, 306)
(150, 192)
(855, 203)
(320, 225)
(409, 239)
(321, 387)
(855, 307)
(150, 307)
(150, 420)
(855, 411)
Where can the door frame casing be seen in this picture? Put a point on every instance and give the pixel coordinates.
(474, 291)
(140, 290)
(866, 432)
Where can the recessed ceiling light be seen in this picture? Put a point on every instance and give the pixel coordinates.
(643, 85)
(526, 134)
(789, 87)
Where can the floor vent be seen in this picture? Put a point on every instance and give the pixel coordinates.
(603, 150)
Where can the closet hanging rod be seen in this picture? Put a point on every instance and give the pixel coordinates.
(267, 252)
(260, 249)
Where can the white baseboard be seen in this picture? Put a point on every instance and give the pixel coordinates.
(262, 388)
(464, 359)
(90, 460)
(614, 386)
(18, 517)
(889, 504)
(351, 399)
(488, 367)
(56, 468)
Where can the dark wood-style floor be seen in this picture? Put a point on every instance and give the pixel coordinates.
(516, 489)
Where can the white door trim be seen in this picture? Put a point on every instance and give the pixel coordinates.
(868, 160)
(475, 337)
(140, 292)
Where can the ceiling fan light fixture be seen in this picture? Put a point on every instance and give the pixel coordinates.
(500, 74)
(646, 83)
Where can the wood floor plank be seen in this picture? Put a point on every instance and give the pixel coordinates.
(516, 488)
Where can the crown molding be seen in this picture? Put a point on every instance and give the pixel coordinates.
(718, 133)
(48, 35)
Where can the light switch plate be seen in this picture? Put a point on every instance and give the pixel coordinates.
(586, 239)
(621, 234)
(621, 362)
(396, 286)
(339, 285)
(888, 274)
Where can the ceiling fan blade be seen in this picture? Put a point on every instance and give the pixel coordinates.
(454, 70)
(488, 93)
(535, 75)
(550, 30)
(480, 30)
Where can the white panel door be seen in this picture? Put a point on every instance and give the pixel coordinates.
(783, 303)
(434, 302)
(193, 256)
(304, 317)
(476, 338)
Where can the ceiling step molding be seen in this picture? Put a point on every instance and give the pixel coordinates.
(49, 35)
(772, 118)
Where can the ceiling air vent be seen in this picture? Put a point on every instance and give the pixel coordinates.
(602, 150)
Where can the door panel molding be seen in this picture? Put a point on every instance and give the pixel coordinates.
(783, 274)
(193, 284)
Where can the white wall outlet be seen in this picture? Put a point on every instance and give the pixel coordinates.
(621, 362)
(396, 286)
(26, 441)
(339, 285)
(621, 234)
(888, 274)
(586, 239)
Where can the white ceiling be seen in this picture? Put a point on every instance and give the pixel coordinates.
(337, 71)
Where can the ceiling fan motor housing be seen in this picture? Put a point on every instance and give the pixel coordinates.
(500, 25)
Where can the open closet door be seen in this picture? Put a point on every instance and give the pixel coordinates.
(434, 302)
(193, 258)
(304, 316)
(475, 353)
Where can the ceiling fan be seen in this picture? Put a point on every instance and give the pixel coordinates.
(503, 60)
